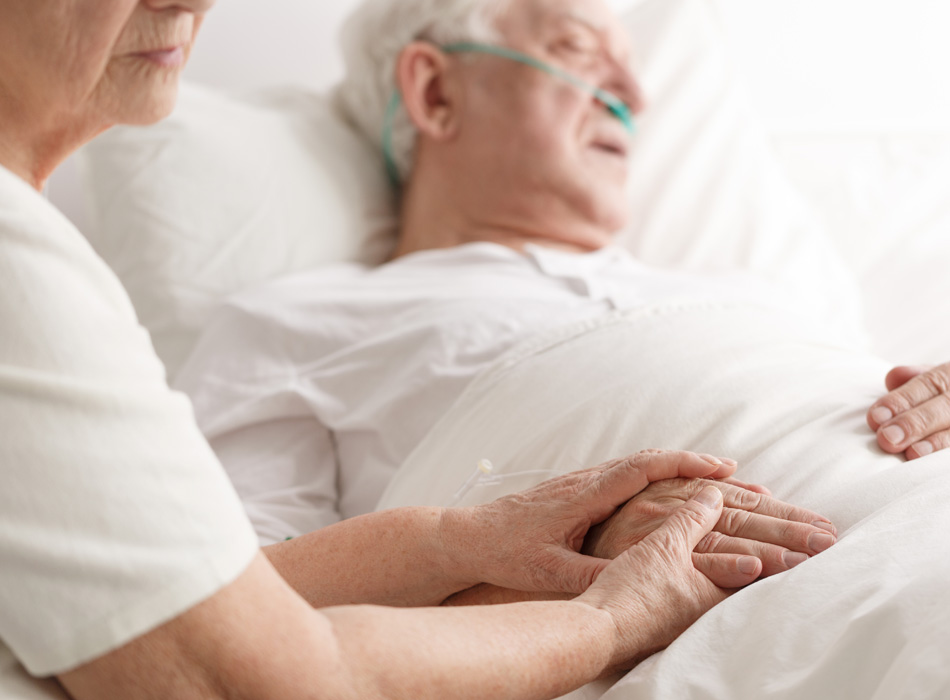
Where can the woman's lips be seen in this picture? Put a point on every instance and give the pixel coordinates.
(167, 58)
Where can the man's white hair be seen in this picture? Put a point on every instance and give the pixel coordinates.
(372, 39)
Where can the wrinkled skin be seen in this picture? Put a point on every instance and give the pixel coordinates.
(543, 529)
(780, 535)
(673, 593)
(914, 418)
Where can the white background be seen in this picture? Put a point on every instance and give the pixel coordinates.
(811, 64)
(816, 66)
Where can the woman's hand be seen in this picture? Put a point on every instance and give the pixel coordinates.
(653, 591)
(779, 535)
(914, 418)
(531, 541)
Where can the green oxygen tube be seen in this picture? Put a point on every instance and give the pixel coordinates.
(614, 104)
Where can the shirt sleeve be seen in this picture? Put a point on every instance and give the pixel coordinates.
(115, 515)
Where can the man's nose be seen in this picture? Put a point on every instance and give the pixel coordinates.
(624, 83)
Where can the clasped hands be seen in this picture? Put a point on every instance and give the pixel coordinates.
(653, 541)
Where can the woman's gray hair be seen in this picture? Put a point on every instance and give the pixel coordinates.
(372, 39)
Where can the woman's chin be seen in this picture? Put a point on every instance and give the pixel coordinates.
(150, 108)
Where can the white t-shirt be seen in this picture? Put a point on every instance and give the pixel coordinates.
(314, 389)
(115, 516)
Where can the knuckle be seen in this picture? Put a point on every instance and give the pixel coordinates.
(940, 441)
(915, 423)
(748, 500)
(937, 380)
(897, 401)
(792, 533)
(731, 521)
(710, 544)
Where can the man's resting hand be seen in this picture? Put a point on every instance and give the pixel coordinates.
(752, 524)
(914, 418)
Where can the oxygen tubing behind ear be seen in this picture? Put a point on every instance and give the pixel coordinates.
(617, 107)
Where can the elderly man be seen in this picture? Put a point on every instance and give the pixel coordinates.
(522, 112)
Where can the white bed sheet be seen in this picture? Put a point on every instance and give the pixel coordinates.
(864, 620)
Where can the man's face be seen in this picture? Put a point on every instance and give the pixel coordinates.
(555, 156)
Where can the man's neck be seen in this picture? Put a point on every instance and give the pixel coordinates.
(431, 218)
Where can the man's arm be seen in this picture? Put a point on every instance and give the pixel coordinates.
(257, 640)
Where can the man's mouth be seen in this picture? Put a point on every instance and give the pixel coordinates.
(611, 147)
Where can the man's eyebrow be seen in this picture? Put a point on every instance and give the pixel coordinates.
(600, 29)
(575, 16)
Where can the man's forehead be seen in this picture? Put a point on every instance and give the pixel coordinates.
(595, 13)
(538, 15)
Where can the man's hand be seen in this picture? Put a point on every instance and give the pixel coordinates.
(914, 418)
(780, 535)
(531, 541)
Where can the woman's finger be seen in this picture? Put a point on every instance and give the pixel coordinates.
(775, 559)
(618, 481)
(689, 524)
(728, 570)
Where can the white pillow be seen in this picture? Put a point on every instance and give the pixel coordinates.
(230, 192)
(707, 192)
(886, 199)
(227, 193)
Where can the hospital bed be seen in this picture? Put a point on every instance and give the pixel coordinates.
(252, 179)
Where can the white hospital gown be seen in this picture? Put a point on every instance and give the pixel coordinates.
(314, 389)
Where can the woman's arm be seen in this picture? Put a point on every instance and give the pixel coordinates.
(390, 558)
(256, 639)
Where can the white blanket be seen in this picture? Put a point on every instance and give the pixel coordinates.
(867, 619)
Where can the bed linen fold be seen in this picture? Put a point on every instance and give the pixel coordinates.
(867, 619)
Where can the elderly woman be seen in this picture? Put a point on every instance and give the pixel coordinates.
(127, 568)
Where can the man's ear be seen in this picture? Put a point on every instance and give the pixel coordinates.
(428, 90)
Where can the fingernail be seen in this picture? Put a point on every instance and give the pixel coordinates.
(819, 542)
(730, 462)
(825, 525)
(710, 497)
(793, 559)
(747, 565)
(923, 448)
(894, 434)
(882, 414)
(715, 461)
